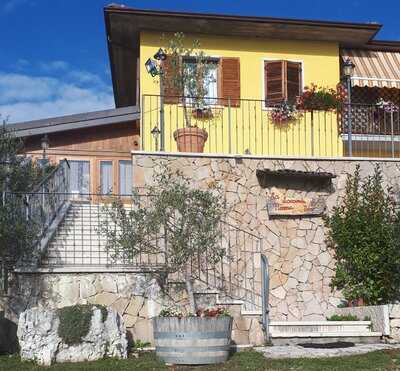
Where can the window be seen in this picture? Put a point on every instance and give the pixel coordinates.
(125, 177)
(79, 177)
(224, 82)
(106, 177)
(210, 83)
(282, 81)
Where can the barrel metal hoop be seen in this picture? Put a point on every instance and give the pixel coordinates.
(189, 360)
(192, 335)
(204, 348)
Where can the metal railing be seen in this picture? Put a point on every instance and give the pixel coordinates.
(44, 202)
(374, 131)
(245, 126)
(80, 245)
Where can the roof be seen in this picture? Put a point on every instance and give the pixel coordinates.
(123, 25)
(374, 67)
(73, 122)
(347, 33)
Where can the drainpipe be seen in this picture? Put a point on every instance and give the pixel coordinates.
(265, 297)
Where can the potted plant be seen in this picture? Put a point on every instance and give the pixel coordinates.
(189, 74)
(189, 220)
(284, 114)
(317, 98)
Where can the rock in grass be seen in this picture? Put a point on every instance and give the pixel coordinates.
(40, 339)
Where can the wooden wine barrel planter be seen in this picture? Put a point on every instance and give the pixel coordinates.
(193, 340)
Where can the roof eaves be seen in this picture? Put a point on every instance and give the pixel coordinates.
(115, 8)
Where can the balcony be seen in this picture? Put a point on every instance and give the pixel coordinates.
(245, 127)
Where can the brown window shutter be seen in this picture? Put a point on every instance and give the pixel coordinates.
(230, 81)
(171, 93)
(274, 82)
(293, 80)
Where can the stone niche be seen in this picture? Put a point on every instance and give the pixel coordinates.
(293, 193)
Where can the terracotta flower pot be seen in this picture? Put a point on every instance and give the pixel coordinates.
(190, 139)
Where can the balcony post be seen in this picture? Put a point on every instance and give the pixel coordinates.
(392, 130)
(229, 126)
(162, 129)
(349, 117)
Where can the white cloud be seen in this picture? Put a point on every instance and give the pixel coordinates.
(25, 97)
(22, 64)
(54, 66)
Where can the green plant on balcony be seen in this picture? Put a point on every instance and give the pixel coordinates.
(316, 98)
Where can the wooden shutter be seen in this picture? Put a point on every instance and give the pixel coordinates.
(293, 80)
(171, 93)
(230, 81)
(274, 82)
(282, 81)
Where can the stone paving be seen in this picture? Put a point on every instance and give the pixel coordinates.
(296, 351)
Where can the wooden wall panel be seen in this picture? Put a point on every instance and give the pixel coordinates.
(119, 137)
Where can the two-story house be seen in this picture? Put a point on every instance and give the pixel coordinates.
(258, 63)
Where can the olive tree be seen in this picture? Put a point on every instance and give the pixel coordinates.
(174, 221)
(188, 72)
(18, 174)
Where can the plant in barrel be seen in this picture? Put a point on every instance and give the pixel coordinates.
(178, 229)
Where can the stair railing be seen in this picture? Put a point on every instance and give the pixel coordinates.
(44, 202)
(265, 296)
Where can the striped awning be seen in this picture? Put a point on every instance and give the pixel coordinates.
(374, 68)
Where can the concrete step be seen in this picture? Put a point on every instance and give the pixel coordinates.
(292, 332)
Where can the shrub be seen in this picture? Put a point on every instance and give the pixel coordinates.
(343, 317)
(364, 233)
(75, 322)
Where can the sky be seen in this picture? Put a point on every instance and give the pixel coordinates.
(53, 54)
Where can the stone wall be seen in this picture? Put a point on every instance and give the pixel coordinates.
(136, 297)
(301, 266)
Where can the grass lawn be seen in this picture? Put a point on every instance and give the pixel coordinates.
(250, 360)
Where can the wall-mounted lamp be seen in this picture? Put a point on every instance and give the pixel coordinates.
(45, 144)
(348, 68)
(151, 67)
(155, 132)
(155, 68)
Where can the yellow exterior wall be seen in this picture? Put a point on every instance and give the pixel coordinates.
(248, 126)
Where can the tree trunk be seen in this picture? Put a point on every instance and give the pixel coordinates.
(185, 113)
(189, 289)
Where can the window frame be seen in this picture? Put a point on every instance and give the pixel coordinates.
(112, 177)
(119, 178)
(267, 59)
(217, 61)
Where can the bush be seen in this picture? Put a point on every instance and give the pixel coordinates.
(343, 317)
(364, 232)
(75, 322)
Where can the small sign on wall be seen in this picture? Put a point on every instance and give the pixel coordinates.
(278, 204)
